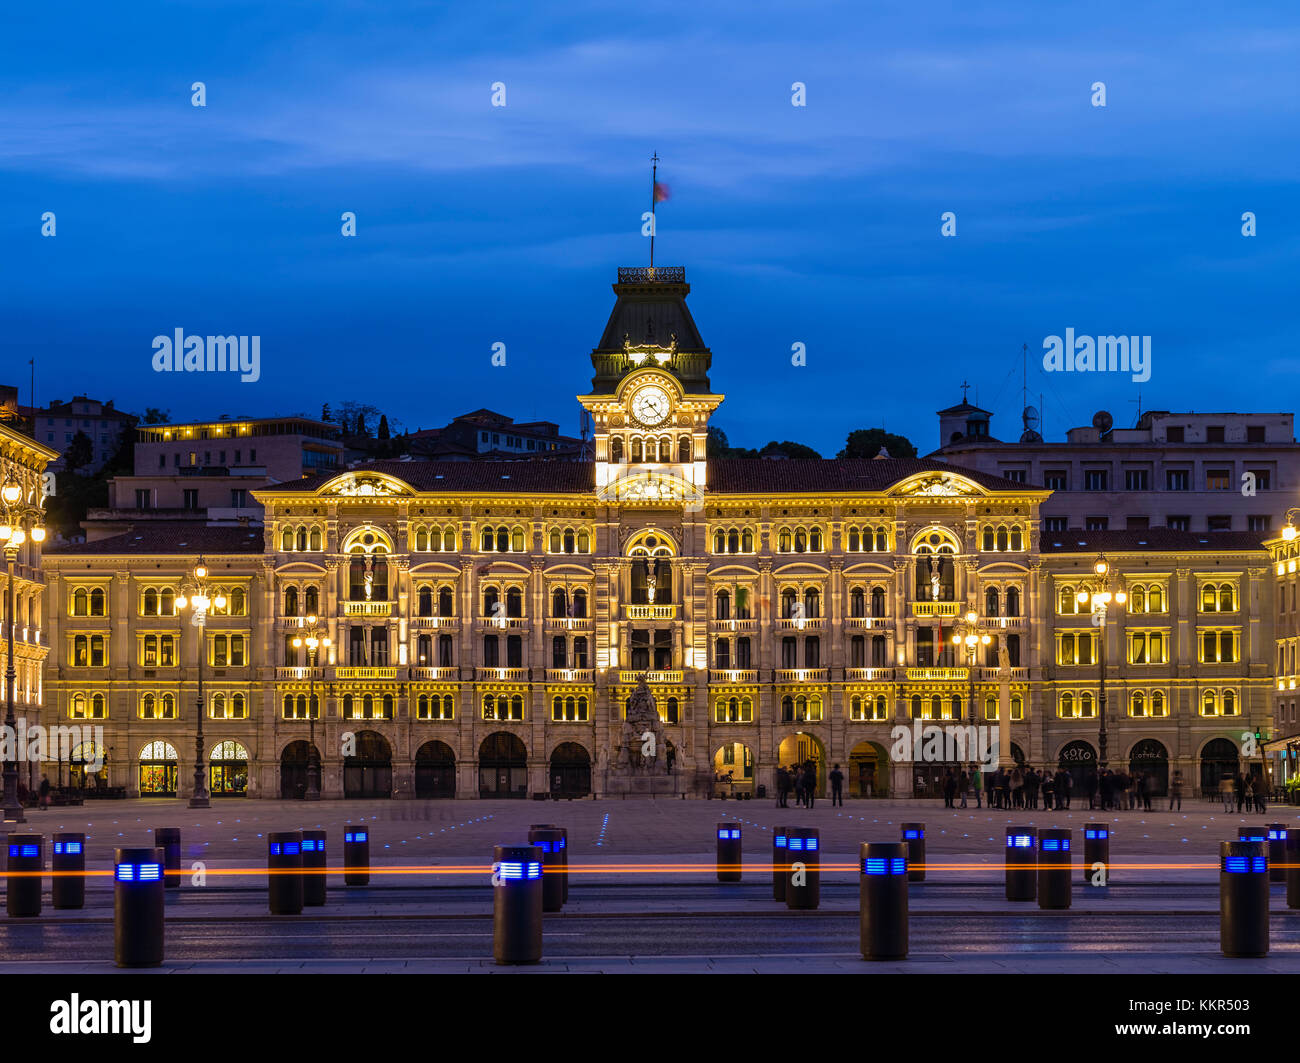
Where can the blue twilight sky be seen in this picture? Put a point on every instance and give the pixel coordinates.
(817, 225)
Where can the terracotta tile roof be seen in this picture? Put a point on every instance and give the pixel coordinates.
(1150, 539)
(169, 537)
(553, 477)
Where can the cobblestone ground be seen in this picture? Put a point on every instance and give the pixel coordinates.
(965, 845)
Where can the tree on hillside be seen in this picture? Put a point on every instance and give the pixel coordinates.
(788, 449)
(153, 415)
(866, 443)
(80, 452)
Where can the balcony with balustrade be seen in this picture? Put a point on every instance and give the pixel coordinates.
(650, 612)
(868, 675)
(939, 609)
(937, 674)
(442, 674)
(368, 608)
(632, 678)
(800, 675)
(569, 675)
(733, 675)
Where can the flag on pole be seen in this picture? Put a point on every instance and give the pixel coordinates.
(662, 192)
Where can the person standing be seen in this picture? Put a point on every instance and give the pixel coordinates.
(837, 786)
(1091, 785)
(1049, 789)
(45, 791)
(782, 786)
(1176, 791)
(963, 786)
(809, 783)
(1066, 785)
(949, 788)
(977, 784)
(1239, 790)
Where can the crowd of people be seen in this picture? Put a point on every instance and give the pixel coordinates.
(1025, 787)
(799, 779)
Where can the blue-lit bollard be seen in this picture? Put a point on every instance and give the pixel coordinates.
(548, 839)
(23, 883)
(914, 835)
(1096, 850)
(803, 888)
(1055, 888)
(1022, 861)
(313, 868)
(168, 839)
(729, 853)
(882, 900)
(564, 854)
(356, 856)
(780, 863)
(1243, 898)
(517, 904)
(138, 907)
(1277, 833)
(68, 864)
(284, 872)
(1293, 868)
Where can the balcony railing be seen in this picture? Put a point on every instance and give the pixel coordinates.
(867, 621)
(367, 608)
(996, 623)
(502, 623)
(354, 672)
(650, 677)
(435, 621)
(444, 673)
(509, 675)
(734, 675)
(292, 672)
(936, 608)
(569, 623)
(800, 675)
(938, 673)
(735, 624)
(651, 612)
(868, 675)
(992, 675)
(568, 675)
(651, 274)
(806, 623)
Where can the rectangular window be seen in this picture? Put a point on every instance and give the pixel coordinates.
(1138, 523)
(1136, 480)
(1178, 522)
(1174, 434)
(190, 498)
(1214, 433)
(1222, 522)
(1147, 647)
(143, 498)
(1259, 522)
(1096, 479)
(1014, 475)
(1096, 523)
(1254, 433)
(1056, 480)
(1056, 524)
(1263, 479)
(1216, 479)
(1178, 480)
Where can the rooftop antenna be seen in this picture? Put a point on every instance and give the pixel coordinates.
(1138, 400)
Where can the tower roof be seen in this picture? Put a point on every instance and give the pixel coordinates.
(650, 323)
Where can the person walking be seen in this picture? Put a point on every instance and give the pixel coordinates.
(782, 786)
(1225, 792)
(1017, 787)
(1239, 790)
(1247, 799)
(1091, 785)
(1148, 791)
(45, 791)
(949, 788)
(1176, 791)
(1064, 785)
(963, 786)
(977, 784)
(1049, 790)
(837, 786)
(809, 784)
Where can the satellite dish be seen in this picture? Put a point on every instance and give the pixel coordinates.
(1102, 421)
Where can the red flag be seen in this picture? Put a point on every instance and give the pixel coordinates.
(662, 191)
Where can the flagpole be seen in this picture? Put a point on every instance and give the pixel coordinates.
(654, 177)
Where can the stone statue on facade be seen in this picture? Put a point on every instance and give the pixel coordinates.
(642, 744)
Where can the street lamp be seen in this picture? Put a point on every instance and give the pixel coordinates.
(972, 639)
(1289, 532)
(194, 594)
(22, 520)
(1098, 595)
(313, 642)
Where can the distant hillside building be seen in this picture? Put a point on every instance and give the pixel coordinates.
(57, 425)
(1185, 471)
(487, 434)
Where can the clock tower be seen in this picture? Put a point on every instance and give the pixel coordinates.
(651, 400)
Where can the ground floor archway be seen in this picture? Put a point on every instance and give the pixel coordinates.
(368, 773)
(1148, 764)
(159, 770)
(88, 767)
(293, 770)
(435, 771)
(801, 749)
(733, 768)
(868, 770)
(1079, 758)
(1219, 759)
(502, 766)
(570, 771)
(228, 770)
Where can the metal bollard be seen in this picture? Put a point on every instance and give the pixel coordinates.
(729, 852)
(517, 904)
(1096, 850)
(1293, 869)
(23, 891)
(356, 856)
(563, 873)
(803, 890)
(914, 835)
(138, 892)
(882, 900)
(313, 867)
(548, 839)
(168, 839)
(1054, 883)
(780, 863)
(68, 882)
(284, 872)
(1243, 898)
(1022, 860)
(1277, 833)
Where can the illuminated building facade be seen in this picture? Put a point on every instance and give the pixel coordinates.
(487, 621)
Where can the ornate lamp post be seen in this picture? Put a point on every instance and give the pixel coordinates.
(971, 637)
(22, 520)
(1098, 594)
(194, 594)
(313, 642)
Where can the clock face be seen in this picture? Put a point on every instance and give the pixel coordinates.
(650, 406)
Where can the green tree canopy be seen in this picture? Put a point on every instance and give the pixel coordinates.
(866, 443)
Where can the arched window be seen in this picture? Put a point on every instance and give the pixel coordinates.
(580, 603)
(491, 596)
(991, 601)
(616, 450)
(1013, 601)
(559, 602)
(684, 449)
(421, 540)
(151, 602)
(722, 653)
(300, 540)
(315, 539)
(1001, 539)
(1157, 703)
(1137, 600)
(487, 540)
(636, 450)
(291, 601)
(584, 541)
(514, 602)
(1156, 600)
(785, 541)
(1209, 599)
(446, 603)
(733, 541)
(80, 602)
(857, 602)
(986, 540)
(424, 601)
(1085, 703)
(1225, 599)
(1229, 703)
(747, 541)
(97, 602)
(517, 541)
(169, 706)
(1139, 703)
(286, 540)
(147, 704)
(719, 541)
(1207, 703)
(1067, 704)
(1017, 538)
(854, 543)
(570, 541)
(788, 598)
(424, 651)
(722, 605)
(311, 602)
(812, 602)
(916, 706)
(882, 540)
(877, 601)
(815, 540)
